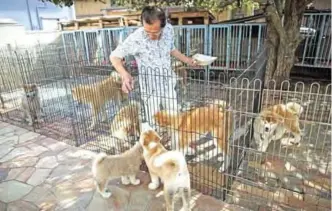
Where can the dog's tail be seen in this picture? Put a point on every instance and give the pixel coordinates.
(173, 159)
(294, 107)
(98, 159)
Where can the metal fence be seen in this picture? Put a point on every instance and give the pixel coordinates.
(315, 48)
(74, 87)
(240, 173)
(235, 45)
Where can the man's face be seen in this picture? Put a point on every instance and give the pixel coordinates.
(153, 30)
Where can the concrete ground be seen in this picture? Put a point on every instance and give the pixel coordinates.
(40, 173)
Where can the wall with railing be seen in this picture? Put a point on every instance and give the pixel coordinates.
(235, 45)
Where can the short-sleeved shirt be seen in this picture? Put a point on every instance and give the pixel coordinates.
(149, 54)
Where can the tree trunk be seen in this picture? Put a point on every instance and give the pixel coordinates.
(283, 39)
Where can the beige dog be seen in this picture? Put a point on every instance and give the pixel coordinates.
(125, 165)
(169, 166)
(126, 123)
(31, 104)
(98, 94)
(188, 127)
(273, 122)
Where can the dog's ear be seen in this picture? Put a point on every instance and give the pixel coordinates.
(273, 117)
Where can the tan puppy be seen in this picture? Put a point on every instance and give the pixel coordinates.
(125, 165)
(188, 127)
(169, 166)
(98, 94)
(31, 104)
(126, 122)
(273, 122)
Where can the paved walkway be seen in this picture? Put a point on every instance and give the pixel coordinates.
(40, 173)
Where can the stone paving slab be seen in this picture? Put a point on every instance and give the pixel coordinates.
(40, 173)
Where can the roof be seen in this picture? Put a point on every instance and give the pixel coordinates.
(262, 15)
(242, 20)
(89, 19)
(317, 11)
(8, 21)
(168, 10)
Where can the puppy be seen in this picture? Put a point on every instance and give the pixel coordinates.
(169, 166)
(126, 123)
(98, 94)
(125, 165)
(31, 104)
(188, 127)
(273, 122)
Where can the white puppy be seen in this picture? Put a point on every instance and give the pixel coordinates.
(169, 166)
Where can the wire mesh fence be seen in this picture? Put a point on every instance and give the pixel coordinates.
(217, 118)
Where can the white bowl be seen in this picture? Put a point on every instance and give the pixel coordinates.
(204, 60)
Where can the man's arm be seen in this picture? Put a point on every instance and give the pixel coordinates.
(128, 47)
(177, 54)
(118, 65)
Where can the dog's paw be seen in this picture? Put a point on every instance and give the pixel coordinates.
(125, 181)
(136, 182)
(106, 194)
(153, 186)
(289, 142)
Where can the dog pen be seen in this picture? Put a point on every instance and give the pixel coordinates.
(296, 177)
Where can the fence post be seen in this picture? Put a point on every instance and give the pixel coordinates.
(188, 33)
(259, 38)
(86, 47)
(249, 45)
(239, 46)
(307, 40)
(206, 47)
(321, 31)
(228, 48)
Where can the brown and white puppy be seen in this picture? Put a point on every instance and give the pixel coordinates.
(273, 122)
(125, 165)
(186, 128)
(98, 94)
(169, 166)
(31, 103)
(126, 123)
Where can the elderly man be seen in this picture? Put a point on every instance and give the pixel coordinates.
(152, 46)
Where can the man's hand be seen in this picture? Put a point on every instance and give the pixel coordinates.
(191, 62)
(127, 83)
(177, 54)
